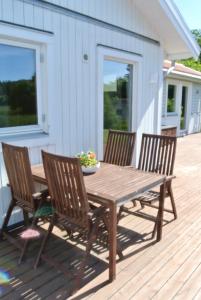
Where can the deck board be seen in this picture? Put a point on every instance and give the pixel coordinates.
(170, 269)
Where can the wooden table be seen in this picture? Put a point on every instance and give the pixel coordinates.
(113, 186)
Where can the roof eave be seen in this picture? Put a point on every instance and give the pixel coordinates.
(174, 15)
(182, 75)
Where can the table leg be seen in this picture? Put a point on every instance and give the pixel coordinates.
(160, 212)
(112, 242)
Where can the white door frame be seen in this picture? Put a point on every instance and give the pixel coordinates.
(176, 116)
(124, 57)
(188, 106)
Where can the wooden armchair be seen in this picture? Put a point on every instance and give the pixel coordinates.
(119, 148)
(70, 203)
(22, 190)
(158, 155)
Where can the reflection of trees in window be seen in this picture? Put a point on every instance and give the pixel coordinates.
(116, 105)
(171, 98)
(183, 108)
(18, 102)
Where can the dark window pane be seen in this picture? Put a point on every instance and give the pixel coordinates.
(183, 108)
(18, 103)
(117, 96)
(171, 98)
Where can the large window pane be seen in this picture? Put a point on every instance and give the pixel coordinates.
(171, 100)
(183, 108)
(117, 96)
(18, 103)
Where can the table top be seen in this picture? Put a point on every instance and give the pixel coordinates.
(113, 183)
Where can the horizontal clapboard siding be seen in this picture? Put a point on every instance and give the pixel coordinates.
(75, 100)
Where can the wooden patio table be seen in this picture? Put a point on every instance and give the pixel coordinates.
(113, 186)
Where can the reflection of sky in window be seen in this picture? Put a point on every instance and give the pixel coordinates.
(114, 70)
(16, 63)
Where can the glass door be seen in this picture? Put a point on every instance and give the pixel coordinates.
(117, 96)
(184, 97)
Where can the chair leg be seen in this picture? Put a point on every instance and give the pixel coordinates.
(26, 243)
(155, 227)
(44, 242)
(119, 213)
(170, 192)
(26, 218)
(119, 250)
(7, 218)
(134, 203)
(22, 255)
(91, 238)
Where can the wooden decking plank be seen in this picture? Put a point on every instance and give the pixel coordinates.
(197, 295)
(191, 287)
(157, 277)
(24, 273)
(176, 254)
(143, 269)
(121, 280)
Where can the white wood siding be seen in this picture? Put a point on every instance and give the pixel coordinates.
(194, 111)
(122, 13)
(72, 94)
(195, 119)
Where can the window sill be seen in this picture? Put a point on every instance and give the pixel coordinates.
(27, 139)
(174, 114)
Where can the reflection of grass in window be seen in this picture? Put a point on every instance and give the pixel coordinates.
(170, 105)
(182, 123)
(9, 118)
(105, 136)
(115, 115)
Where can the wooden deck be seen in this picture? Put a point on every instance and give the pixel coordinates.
(170, 269)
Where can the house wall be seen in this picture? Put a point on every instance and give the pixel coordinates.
(72, 83)
(194, 105)
(195, 120)
(122, 13)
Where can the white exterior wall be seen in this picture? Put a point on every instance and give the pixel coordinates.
(72, 84)
(195, 120)
(193, 107)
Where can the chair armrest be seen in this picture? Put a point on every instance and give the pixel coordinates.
(169, 178)
(97, 211)
(37, 196)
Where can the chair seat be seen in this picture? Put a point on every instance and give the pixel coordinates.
(44, 211)
(148, 197)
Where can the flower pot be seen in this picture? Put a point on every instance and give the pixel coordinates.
(91, 169)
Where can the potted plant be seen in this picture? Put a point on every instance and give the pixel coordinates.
(88, 161)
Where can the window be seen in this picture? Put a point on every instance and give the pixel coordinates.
(117, 96)
(19, 103)
(171, 98)
(184, 98)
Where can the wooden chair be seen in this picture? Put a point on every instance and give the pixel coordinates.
(119, 148)
(70, 203)
(157, 155)
(22, 189)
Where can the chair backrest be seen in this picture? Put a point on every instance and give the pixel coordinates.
(19, 174)
(119, 148)
(157, 154)
(66, 188)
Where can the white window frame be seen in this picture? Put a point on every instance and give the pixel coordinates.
(169, 82)
(28, 128)
(122, 57)
(176, 116)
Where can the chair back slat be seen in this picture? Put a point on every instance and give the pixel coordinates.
(119, 148)
(18, 168)
(157, 154)
(66, 188)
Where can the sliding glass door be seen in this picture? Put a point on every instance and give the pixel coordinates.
(117, 95)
